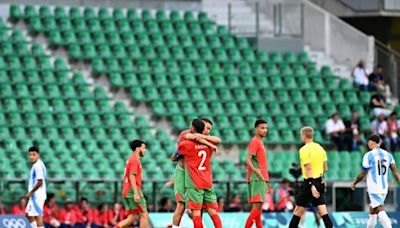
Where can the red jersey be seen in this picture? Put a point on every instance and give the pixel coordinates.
(67, 217)
(50, 213)
(258, 154)
(182, 135)
(198, 164)
(392, 126)
(121, 215)
(133, 165)
(83, 216)
(16, 210)
(103, 218)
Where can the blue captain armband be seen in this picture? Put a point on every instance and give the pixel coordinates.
(177, 153)
(364, 169)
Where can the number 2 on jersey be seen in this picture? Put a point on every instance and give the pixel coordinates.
(381, 167)
(203, 156)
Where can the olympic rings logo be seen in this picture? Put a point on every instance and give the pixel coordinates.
(14, 223)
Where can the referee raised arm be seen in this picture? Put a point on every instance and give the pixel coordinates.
(313, 163)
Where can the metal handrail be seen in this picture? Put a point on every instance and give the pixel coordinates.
(387, 49)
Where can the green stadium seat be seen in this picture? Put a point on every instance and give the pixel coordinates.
(364, 97)
(338, 97)
(30, 11)
(324, 97)
(289, 109)
(317, 83)
(281, 123)
(351, 97)
(16, 13)
(274, 108)
(345, 111)
(330, 108)
(178, 122)
(345, 84)
(316, 109)
(326, 71)
(18, 133)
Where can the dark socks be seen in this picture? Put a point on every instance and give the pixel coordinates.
(294, 223)
(327, 221)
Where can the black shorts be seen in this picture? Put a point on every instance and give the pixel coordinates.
(305, 197)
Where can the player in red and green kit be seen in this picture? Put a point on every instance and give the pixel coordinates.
(132, 194)
(198, 178)
(179, 177)
(257, 173)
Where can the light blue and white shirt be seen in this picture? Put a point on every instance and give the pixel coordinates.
(377, 164)
(38, 171)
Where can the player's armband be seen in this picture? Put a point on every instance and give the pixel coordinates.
(177, 153)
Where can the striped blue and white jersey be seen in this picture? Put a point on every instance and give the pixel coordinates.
(38, 171)
(377, 164)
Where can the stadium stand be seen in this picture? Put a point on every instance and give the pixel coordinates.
(171, 60)
(182, 65)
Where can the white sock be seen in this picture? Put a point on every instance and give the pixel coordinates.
(33, 224)
(384, 219)
(372, 221)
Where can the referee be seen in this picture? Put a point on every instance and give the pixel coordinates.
(313, 165)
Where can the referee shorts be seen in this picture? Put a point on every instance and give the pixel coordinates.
(305, 197)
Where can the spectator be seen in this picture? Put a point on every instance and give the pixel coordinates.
(269, 205)
(335, 128)
(378, 105)
(393, 129)
(2, 209)
(166, 205)
(283, 198)
(376, 78)
(50, 211)
(118, 213)
(221, 204)
(379, 127)
(236, 204)
(67, 215)
(103, 216)
(360, 74)
(352, 132)
(84, 215)
(19, 209)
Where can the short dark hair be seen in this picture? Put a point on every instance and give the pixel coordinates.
(199, 125)
(206, 120)
(50, 196)
(375, 138)
(34, 149)
(258, 122)
(135, 144)
(84, 199)
(379, 66)
(163, 201)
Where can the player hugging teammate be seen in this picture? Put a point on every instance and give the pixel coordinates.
(193, 174)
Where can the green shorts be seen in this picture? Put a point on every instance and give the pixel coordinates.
(201, 198)
(256, 191)
(131, 206)
(179, 186)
